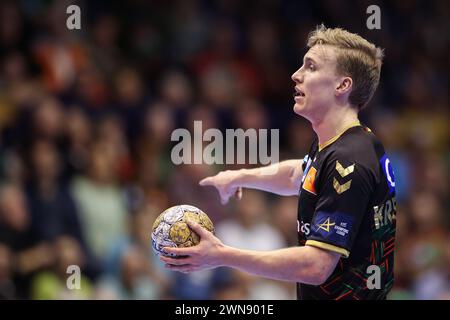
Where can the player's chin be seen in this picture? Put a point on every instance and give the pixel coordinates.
(299, 108)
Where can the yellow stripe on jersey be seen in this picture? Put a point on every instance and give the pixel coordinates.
(327, 246)
(327, 143)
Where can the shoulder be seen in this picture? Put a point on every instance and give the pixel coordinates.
(357, 146)
(354, 156)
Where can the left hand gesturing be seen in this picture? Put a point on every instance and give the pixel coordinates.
(207, 254)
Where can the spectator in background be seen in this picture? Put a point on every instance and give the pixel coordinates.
(12, 167)
(234, 286)
(250, 229)
(202, 285)
(250, 114)
(134, 279)
(185, 190)
(123, 278)
(152, 148)
(176, 89)
(7, 286)
(29, 254)
(296, 136)
(265, 54)
(225, 73)
(52, 284)
(48, 119)
(422, 250)
(14, 216)
(77, 135)
(53, 211)
(428, 243)
(284, 209)
(189, 35)
(60, 53)
(110, 131)
(11, 26)
(100, 199)
(130, 100)
(103, 47)
(92, 91)
(183, 182)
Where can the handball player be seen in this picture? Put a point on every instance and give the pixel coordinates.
(345, 184)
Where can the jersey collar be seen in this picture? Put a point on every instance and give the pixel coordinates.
(330, 141)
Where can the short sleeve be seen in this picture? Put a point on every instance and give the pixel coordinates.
(344, 191)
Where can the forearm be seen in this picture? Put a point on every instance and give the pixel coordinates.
(281, 178)
(305, 264)
(296, 264)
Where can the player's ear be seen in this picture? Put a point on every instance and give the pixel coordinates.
(344, 86)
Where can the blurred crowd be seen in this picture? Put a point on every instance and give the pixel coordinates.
(86, 118)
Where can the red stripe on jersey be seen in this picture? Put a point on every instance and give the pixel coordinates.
(344, 294)
(325, 290)
(385, 248)
(392, 249)
(334, 280)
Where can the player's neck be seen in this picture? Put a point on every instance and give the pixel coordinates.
(334, 122)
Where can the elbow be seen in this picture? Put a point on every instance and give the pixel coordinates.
(319, 267)
(319, 278)
(316, 275)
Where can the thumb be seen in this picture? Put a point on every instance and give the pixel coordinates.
(198, 229)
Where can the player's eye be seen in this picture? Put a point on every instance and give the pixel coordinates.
(311, 67)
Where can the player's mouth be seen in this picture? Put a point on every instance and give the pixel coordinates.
(298, 94)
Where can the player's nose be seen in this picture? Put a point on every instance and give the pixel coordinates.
(297, 76)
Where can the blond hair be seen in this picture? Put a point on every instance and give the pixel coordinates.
(356, 57)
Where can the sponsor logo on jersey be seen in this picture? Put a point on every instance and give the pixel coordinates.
(304, 228)
(384, 214)
(343, 173)
(306, 164)
(389, 173)
(310, 178)
(334, 228)
(326, 225)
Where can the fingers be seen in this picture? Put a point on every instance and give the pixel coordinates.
(206, 182)
(185, 265)
(179, 251)
(209, 181)
(224, 191)
(198, 229)
(175, 261)
(224, 199)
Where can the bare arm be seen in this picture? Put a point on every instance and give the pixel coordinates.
(280, 178)
(306, 264)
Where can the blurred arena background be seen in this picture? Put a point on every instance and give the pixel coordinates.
(86, 118)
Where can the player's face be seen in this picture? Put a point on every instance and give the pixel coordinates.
(316, 82)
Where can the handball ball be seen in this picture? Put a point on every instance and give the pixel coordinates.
(171, 230)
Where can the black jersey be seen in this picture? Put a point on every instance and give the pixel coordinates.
(347, 205)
